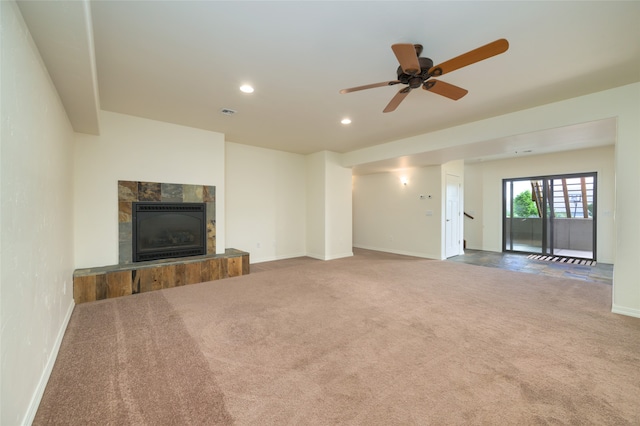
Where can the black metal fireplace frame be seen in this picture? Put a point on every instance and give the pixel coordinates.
(138, 207)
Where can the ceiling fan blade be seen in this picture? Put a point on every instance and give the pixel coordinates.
(369, 86)
(395, 101)
(445, 89)
(471, 57)
(406, 55)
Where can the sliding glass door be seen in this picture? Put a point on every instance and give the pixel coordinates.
(552, 215)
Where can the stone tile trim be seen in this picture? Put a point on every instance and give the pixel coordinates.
(132, 191)
(107, 282)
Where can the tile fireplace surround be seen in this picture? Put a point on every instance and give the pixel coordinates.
(91, 284)
(132, 191)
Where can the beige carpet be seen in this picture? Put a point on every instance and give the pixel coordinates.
(376, 339)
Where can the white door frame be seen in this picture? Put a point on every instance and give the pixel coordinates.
(453, 216)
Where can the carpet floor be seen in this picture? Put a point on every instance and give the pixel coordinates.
(375, 339)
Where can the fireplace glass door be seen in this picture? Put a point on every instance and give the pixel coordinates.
(167, 230)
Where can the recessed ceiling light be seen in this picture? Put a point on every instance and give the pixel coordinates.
(227, 111)
(346, 121)
(246, 88)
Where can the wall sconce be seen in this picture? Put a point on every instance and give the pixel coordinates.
(404, 180)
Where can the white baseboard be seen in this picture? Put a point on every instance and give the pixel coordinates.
(622, 310)
(332, 257)
(339, 256)
(316, 256)
(272, 258)
(402, 252)
(44, 378)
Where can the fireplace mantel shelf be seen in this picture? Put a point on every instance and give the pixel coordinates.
(105, 282)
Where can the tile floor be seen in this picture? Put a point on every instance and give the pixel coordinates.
(600, 273)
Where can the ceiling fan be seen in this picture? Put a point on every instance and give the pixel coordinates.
(415, 71)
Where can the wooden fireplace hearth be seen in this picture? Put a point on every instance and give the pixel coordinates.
(91, 284)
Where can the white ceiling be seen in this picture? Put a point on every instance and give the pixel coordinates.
(183, 61)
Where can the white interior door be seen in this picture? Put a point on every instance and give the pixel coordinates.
(452, 217)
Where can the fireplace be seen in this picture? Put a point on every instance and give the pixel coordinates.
(168, 230)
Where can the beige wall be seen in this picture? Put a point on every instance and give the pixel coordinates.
(626, 285)
(265, 202)
(137, 149)
(316, 216)
(338, 208)
(405, 219)
(36, 245)
(473, 192)
(389, 216)
(483, 193)
(329, 201)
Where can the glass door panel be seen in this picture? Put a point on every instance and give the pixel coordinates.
(523, 229)
(507, 208)
(573, 220)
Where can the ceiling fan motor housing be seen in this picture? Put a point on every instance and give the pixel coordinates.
(416, 80)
